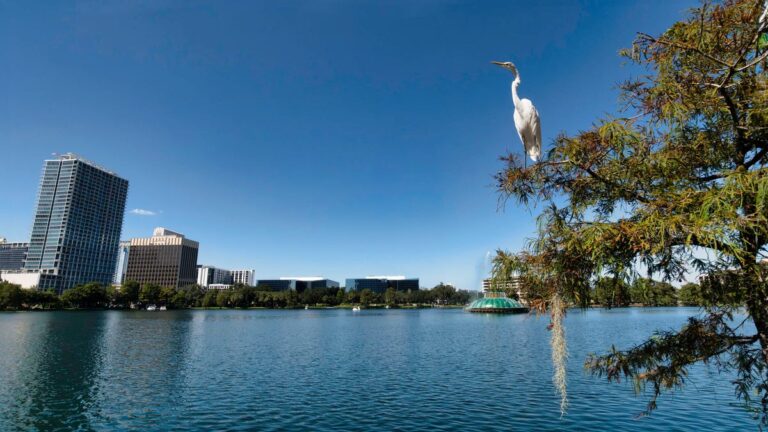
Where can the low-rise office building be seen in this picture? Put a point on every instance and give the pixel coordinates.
(511, 285)
(245, 277)
(12, 255)
(167, 259)
(209, 275)
(297, 283)
(379, 284)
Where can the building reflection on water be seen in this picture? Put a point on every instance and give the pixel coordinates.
(68, 370)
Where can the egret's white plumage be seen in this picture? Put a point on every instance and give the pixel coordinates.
(526, 117)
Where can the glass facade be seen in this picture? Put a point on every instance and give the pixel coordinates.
(297, 284)
(276, 284)
(122, 262)
(12, 255)
(379, 285)
(77, 225)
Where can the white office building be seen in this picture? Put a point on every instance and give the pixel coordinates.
(245, 277)
(210, 275)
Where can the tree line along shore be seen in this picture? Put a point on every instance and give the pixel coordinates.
(607, 292)
(133, 295)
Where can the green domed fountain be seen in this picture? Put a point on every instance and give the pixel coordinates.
(496, 302)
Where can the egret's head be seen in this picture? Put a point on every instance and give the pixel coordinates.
(506, 65)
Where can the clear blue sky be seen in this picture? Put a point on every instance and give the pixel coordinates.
(334, 138)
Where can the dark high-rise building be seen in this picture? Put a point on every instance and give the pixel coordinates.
(77, 225)
(380, 284)
(12, 255)
(167, 259)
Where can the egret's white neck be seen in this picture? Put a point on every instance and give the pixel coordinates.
(515, 83)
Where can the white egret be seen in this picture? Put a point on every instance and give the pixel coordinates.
(526, 117)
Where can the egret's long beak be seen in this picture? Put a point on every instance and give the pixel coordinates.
(498, 63)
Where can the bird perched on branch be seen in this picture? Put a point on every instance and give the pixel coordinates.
(526, 117)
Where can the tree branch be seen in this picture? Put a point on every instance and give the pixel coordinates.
(684, 47)
(610, 184)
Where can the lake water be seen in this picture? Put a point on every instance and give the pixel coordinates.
(327, 370)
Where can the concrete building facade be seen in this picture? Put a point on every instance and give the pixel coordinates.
(167, 259)
(245, 277)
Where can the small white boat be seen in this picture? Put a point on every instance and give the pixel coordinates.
(151, 308)
(355, 308)
(163, 308)
(386, 307)
(306, 307)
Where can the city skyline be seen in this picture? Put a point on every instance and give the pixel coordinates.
(335, 148)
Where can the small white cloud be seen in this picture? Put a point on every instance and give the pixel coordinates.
(142, 212)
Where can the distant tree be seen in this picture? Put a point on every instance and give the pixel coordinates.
(291, 298)
(36, 299)
(366, 297)
(611, 292)
(90, 295)
(353, 296)
(443, 293)
(340, 296)
(690, 295)
(11, 296)
(150, 294)
(461, 297)
(264, 288)
(115, 297)
(649, 292)
(222, 298)
(130, 291)
(166, 296)
(209, 299)
(193, 296)
(238, 298)
(180, 300)
(390, 296)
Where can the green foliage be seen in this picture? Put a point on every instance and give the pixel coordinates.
(611, 292)
(649, 292)
(150, 294)
(390, 296)
(11, 296)
(222, 298)
(684, 170)
(130, 291)
(88, 296)
(366, 297)
(209, 299)
(690, 295)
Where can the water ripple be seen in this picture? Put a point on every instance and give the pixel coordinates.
(416, 370)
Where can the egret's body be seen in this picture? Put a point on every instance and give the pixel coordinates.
(526, 117)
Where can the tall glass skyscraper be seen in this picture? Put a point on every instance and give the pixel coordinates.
(77, 225)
